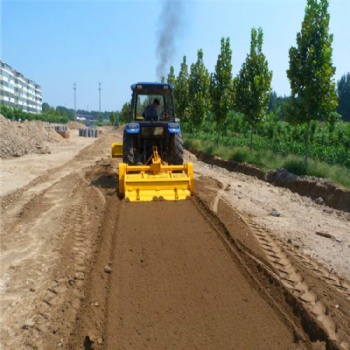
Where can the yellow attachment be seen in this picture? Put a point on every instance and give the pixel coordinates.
(117, 149)
(143, 183)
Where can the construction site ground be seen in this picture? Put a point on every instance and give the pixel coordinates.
(240, 265)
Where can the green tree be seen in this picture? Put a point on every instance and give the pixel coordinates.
(171, 76)
(221, 88)
(51, 111)
(7, 112)
(124, 114)
(252, 86)
(100, 118)
(112, 118)
(277, 105)
(343, 88)
(69, 112)
(273, 102)
(58, 111)
(181, 92)
(311, 71)
(199, 97)
(45, 107)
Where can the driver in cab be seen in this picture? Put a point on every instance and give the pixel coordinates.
(150, 112)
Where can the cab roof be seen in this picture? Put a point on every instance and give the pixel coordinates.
(151, 87)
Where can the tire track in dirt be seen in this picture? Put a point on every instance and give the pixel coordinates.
(13, 204)
(47, 249)
(65, 294)
(332, 318)
(294, 278)
(89, 330)
(53, 287)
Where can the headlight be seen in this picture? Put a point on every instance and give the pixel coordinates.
(173, 126)
(132, 126)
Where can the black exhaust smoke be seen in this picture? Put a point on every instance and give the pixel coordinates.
(169, 26)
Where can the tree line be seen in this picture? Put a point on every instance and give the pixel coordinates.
(219, 101)
(201, 96)
(60, 114)
(50, 115)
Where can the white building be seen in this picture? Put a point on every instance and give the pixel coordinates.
(19, 92)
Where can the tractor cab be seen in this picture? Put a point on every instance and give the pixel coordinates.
(144, 94)
(141, 135)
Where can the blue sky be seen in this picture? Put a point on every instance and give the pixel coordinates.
(58, 43)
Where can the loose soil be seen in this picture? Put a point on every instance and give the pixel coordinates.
(242, 264)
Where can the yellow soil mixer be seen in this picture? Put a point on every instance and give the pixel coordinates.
(142, 183)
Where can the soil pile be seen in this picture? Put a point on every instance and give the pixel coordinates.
(75, 125)
(18, 139)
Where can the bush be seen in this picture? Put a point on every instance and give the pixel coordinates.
(296, 167)
(240, 156)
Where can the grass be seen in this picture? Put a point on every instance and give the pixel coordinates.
(267, 160)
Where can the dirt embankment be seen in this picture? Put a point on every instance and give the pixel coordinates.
(323, 191)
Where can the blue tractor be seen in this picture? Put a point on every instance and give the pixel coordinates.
(152, 124)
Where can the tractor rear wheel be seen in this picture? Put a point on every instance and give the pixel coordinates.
(176, 150)
(128, 149)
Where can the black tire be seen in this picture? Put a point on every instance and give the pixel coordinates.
(128, 148)
(176, 150)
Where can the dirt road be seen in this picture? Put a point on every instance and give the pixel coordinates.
(174, 285)
(83, 269)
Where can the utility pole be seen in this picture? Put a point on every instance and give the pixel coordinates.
(99, 89)
(75, 101)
